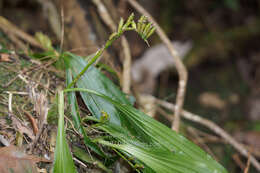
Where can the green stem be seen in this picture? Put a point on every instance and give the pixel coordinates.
(97, 55)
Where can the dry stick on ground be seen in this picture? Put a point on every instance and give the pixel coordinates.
(126, 50)
(248, 162)
(32, 120)
(215, 128)
(4, 23)
(182, 72)
(14, 39)
(62, 29)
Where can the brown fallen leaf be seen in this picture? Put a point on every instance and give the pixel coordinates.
(13, 159)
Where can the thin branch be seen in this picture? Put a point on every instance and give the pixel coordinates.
(248, 163)
(104, 14)
(182, 72)
(62, 29)
(4, 23)
(215, 128)
(32, 120)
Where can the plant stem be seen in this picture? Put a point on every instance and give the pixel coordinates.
(97, 55)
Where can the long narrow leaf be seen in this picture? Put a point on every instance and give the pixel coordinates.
(62, 159)
(159, 158)
(163, 161)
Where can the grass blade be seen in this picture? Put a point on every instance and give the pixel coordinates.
(62, 159)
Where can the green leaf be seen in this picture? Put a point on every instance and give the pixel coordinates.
(62, 159)
(158, 158)
(109, 69)
(148, 136)
(166, 140)
(93, 79)
(162, 161)
(76, 117)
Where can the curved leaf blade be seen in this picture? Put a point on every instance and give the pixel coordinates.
(163, 137)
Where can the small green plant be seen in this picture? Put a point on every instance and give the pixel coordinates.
(144, 28)
(146, 144)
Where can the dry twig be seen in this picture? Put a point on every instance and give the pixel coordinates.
(62, 29)
(248, 163)
(33, 122)
(5, 25)
(182, 72)
(126, 83)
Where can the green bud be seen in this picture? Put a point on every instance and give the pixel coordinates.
(150, 32)
(147, 28)
(142, 19)
(120, 25)
(130, 18)
(138, 27)
(142, 29)
(133, 25)
(129, 21)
